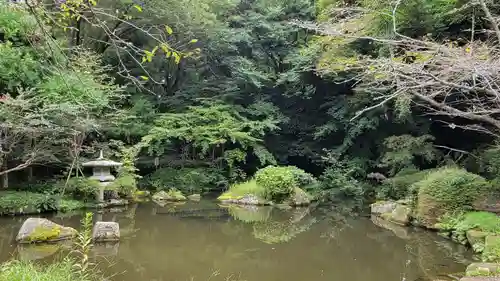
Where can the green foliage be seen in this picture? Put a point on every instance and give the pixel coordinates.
(15, 22)
(13, 202)
(207, 129)
(187, 180)
(278, 182)
(24, 270)
(67, 205)
(335, 184)
(19, 67)
(244, 188)
(399, 186)
(83, 188)
(448, 189)
(401, 151)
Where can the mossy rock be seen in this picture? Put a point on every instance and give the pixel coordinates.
(171, 195)
(36, 230)
(491, 251)
(194, 197)
(483, 269)
(247, 199)
(476, 239)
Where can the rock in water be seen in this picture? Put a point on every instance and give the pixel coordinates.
(383, 207)
(106, 231)
(400, 215)
(169, 196)
(194, 197)
(36, 230)
(482, 269)
(476, 239)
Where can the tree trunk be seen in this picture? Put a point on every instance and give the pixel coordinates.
(5, 177)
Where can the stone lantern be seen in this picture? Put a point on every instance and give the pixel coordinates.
(102, 172)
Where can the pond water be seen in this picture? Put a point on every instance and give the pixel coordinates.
(204, 241)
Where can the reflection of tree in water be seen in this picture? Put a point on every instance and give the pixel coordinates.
(338, 217)
(271, 225)
(272, 232)
(250, 214)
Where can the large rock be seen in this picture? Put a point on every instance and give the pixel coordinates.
(247, 199)
(169, 196)
(106, 231)
(492, 248)
(400, 215)
(383, 207)
(482, 269)
(476, 239)
(36, 230)
(300, 198)
(194, 197)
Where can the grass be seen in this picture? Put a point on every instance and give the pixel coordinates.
(484, 221)
(29, 271)
(244, 188)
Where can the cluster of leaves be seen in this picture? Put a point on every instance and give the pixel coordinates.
(12, 202)
(448, 189)
(187, 180)
(278, 182)
(82, 188)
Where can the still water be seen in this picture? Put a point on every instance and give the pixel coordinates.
(204, 241)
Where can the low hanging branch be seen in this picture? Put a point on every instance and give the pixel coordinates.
(457, 81)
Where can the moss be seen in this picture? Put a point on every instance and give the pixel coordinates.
(228, 195)
(41, 233)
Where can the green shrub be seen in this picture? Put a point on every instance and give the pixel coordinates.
(461, 222)
(188, 180)
(302, 178)
(399, 186)
(15, 200)
(67, 205)
(278, 182)
(248, 187)
(125, 184)
(336, 183)
(447, 190)
(83, 188)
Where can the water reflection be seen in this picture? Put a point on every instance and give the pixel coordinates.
(201, 241)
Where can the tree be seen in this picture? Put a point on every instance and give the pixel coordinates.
(456, 80)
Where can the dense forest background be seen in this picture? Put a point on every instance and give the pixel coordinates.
(202, 93)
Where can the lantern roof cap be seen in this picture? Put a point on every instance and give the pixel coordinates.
(101, 162)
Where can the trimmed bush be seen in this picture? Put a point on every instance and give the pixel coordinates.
(447, 190)
(278, 182)
(125, 184)
(83, 188)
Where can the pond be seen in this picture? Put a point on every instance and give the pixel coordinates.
(204, 241)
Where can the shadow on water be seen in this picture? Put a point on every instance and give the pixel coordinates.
(207, 241)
